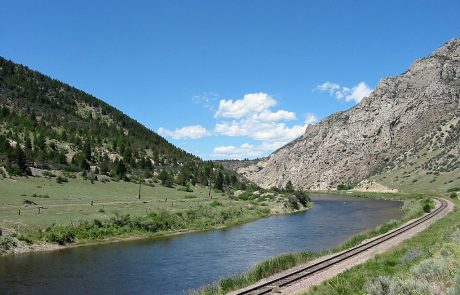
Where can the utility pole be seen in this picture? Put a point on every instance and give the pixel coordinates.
(210, 185)
(140, 183)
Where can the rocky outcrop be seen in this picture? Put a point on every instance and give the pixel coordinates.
(349, 146)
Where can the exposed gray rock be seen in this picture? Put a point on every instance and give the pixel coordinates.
(348, 146)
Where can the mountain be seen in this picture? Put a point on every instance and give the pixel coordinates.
(48, 125)
(407, 128)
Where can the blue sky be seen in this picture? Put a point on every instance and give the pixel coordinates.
(225, 79)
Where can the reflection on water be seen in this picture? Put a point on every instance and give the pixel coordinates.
(174, 265)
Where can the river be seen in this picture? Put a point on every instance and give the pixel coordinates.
(173, 265)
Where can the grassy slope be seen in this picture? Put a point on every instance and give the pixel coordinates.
(430, 260)
(432, 165)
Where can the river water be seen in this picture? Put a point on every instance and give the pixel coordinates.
(176, 264)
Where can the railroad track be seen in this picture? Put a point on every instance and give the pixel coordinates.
(288, 279)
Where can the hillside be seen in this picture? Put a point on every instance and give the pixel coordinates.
(48, 125)
(405, 133)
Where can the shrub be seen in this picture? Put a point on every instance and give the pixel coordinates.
(344, 187)
(25, 239)
(59, 234)
(302, 197)
(379, 286)
(215, 204)
(409, 286)
(453, 195)
(185, 189)
(61, 179)
(432, 270)
(34, 195)
(455, 290)
(384, 285)
(410, 256)
(6, 243)
(48, 174)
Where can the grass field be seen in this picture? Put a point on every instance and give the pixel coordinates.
(71, 201)
(43, 210)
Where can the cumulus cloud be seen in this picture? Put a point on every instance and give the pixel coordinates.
(311, 119)
(253, 117)
(358, 92)
(245, 150)
(251, 103)
(192, 132)
(355, 93)
(269, 131)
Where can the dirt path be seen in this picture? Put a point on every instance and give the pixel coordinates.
(316, 279)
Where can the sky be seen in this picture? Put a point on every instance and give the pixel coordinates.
(225, 79)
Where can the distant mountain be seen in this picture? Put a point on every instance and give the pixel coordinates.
(47, 124)
(407, 129)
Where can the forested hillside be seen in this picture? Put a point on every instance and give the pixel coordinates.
(48, 125)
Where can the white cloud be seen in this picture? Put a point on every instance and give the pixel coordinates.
(329, 87)
(311, 119)
(192, 132)
(356, 93)
(246, 150)
(268, 116)
(273, 135)
(270, 131)
(251, 103)
(253, 117)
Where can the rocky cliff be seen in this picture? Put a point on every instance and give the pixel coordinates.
(350, 146)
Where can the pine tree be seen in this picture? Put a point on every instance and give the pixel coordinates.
(289, 187)
(20, 158)
(219, 182)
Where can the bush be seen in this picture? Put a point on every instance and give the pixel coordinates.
(59, 234)
(48, 174)
(185, 189)
(25, 239)
(455, 290)
(432, 270)
(344, 187)
(453, 189)
(34, 195)
(61, 179)
(384, 285)
(379, 286)
(453, 195)
(6, 243)
(302, 197)
(215, 204)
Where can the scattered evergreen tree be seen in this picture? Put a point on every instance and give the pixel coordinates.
(219, 182)
(289, 187)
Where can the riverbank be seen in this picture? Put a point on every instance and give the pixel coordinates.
(68, 236)
(413, 207)
(428, 263)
